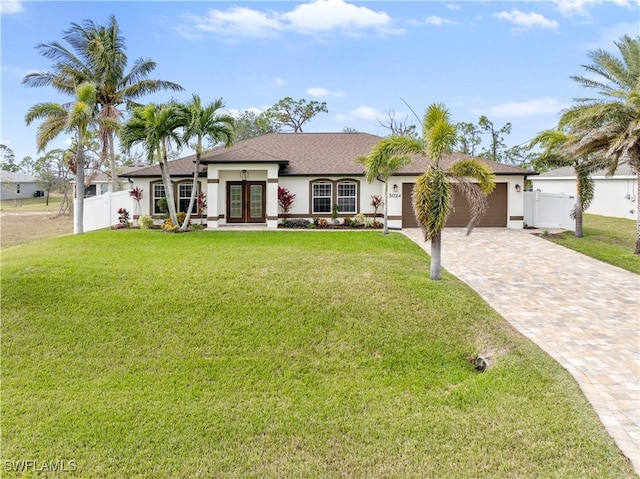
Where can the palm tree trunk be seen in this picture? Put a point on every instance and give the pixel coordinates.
(436, 250)
(115, 184)
(79, 207)
(578, 214)
(385, 230)
(168, 190)
(194, 191)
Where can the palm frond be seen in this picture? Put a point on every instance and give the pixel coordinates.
(476, 198)
(477, 170)
(432, 195)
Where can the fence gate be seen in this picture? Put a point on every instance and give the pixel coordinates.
(549, 210)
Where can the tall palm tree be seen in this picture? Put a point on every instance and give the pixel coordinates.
(386, 158)
(77, 118)
(97, 55)
(554, 155)
(434, 190)
(204, 122)
(609, 124)
(155, 128)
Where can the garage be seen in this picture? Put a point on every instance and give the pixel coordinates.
(496, 215)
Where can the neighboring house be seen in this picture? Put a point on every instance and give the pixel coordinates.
(99, 183)
(613, 195)
(15, 186)
(241, 182)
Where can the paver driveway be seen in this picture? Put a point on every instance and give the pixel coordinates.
(584, 313)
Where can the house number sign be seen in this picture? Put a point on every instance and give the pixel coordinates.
(395, 195)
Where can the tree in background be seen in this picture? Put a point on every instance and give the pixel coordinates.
(8, 162)
(202, 122)
(609, 124)
(497, 147)
(468, 138)
(249, 125)
(398, 127)
(97, 55)
(52, 171)
(294, 113)
(77, 119)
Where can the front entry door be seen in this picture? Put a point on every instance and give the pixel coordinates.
(246, 201)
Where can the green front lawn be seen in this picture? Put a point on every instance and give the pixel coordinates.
(607, 239)
(275, 354)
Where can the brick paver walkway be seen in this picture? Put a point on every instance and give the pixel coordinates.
(584, 313)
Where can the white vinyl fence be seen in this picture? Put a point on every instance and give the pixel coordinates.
(549, 210)
(102, 211)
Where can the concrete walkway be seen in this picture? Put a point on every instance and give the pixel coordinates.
(582, 312)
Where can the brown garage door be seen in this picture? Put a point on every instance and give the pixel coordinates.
(496, 215)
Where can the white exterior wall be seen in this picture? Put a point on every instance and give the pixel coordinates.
(614, 196)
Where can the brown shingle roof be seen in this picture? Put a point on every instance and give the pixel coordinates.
(317, 154)
(180, 167)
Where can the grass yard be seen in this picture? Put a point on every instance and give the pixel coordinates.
(607, 239)
(141, 354)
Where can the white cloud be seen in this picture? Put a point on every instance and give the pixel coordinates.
(361, 113)
(322, 92)
(581, 7)
(316, 17)
(279, 82)
(236, 21)
(328, 15)
(10, 6)
(438, 21)
(527, 20)
(525, 108)
(452, 6)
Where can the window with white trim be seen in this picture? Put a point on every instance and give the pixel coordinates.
(321, 197)
(158, 193)
(347, 194)
(184, 196)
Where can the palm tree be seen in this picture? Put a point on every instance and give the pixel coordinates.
(76, 118)
(98, 55)
(156, 127)
(553, 156)
(434, 190)
(609, 125)
(433, 193)
(204, 122)
(387, 157)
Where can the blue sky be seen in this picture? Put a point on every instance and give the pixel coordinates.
(510, 61)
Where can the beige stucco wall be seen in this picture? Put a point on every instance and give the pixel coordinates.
(218, 175)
